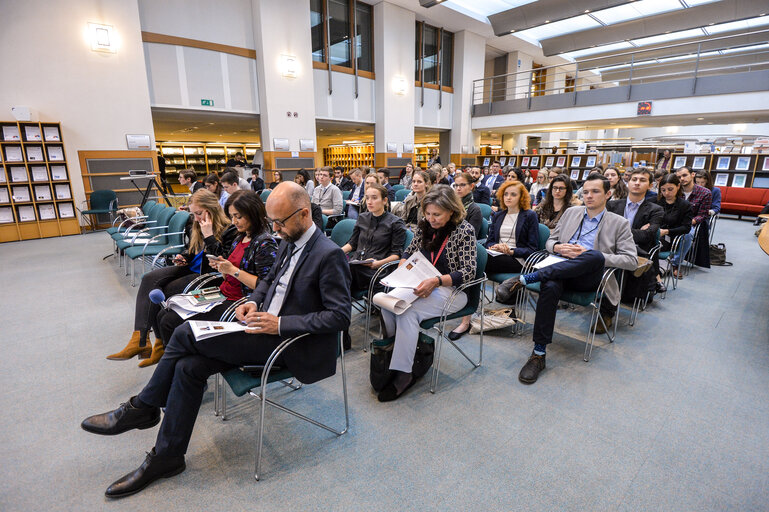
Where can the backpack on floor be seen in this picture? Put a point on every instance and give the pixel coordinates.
(718, 255)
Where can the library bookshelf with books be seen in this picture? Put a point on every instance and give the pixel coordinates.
(35, 191)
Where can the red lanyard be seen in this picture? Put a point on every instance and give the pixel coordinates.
(432, 254)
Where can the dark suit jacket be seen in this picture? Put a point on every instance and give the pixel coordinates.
(498, 180)
(317, 301)
(345, 184)
(648, 213)
(526, 232)
(481, 193)
(197, 186)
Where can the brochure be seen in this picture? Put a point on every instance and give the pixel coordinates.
(66, 211)
(51, 133)
(550, 260)
(32, 132)
(204, 330)
(403, 281)
(39, 173)
(46, 211)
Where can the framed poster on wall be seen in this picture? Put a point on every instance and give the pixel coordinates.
(739, 180)
(561, 162)
(576, 161)
(699, 163)
(525, 161)
(549, 161)
(680, 161)
(721, 179)
(723, 163)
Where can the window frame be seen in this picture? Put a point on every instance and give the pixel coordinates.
(350, 70)
(439, 70)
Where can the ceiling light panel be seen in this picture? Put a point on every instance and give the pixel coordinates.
(598, 49)
(481, 9)
(636, 10)
(558, 28)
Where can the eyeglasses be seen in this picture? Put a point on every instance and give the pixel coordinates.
(558, 189)
(461, 185)
(282, 223)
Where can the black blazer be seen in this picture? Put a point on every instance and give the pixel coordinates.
(317, 301)
(648, 213)
(677, 217)
(474, 216)
(526, 232)
(197, 186)
(481, 193)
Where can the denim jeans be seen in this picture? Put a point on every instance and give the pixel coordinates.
(687, 244)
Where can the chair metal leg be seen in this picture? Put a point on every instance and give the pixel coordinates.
(217, 387)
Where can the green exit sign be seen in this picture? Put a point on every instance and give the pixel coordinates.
(207, 103)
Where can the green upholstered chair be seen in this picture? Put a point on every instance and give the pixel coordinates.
(102, 202)
(401, 194)
(163, 244)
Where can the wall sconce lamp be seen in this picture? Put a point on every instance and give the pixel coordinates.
(399, 85)
(288, 66)
(102, 38)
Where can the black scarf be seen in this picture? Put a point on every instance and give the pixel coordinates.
(432, 239)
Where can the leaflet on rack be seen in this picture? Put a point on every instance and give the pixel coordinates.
(403, 281)
(204, 330)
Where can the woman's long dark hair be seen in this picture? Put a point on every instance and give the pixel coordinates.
(305, 176)
(213, 178)
(250, 206)
(548, 207)
(669, 179)
(707, 177)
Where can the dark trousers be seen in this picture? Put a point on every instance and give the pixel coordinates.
(180, 377)
(166, 321)
(171, 280)
(503, 264)
(580, 274)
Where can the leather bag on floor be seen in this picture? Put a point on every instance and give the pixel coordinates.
(382, 353)
(718, 255)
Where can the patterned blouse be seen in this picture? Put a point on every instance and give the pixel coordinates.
(258, 257)
(460, 252)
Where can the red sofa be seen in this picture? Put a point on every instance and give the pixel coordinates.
(743, 201)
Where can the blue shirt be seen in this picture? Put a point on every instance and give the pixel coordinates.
(631, 209)
(588, 228)
(223, 198)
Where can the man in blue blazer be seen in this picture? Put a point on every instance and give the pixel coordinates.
(307, 291)
(494, 179)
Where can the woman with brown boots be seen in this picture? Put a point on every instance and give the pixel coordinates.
(211, 233)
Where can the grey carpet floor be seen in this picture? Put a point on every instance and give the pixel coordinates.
(673, 416)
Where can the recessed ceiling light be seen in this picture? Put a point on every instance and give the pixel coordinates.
(587, 11)
(700, 119)
(512, 31)
(547, 21)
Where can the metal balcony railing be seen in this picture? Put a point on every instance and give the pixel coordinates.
(748, 51)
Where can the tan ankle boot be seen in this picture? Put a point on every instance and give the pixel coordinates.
(133, 349)
(157, 352)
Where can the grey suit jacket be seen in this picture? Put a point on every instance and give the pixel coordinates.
(613, 239)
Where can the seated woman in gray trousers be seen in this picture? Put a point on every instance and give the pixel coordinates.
(448, 241)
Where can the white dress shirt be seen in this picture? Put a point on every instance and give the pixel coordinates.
(280, 289)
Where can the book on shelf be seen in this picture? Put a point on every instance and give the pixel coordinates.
(58, 172)
(66, 210)
(18, 174)
(20, 194)
(56, 153)
(10, 133)
(51, 133)
(6, 215)
(13, 154)
(32, 132)
(62, 192)
(27, 213)
(35, 154)
(46, 211)
(42, 192)
(39, 173)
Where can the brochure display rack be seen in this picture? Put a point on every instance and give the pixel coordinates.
(35, 192)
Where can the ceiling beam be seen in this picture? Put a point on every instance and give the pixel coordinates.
(544, 11)
(738, 38)
(692, 17)
(667, 71)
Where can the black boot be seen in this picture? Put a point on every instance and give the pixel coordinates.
(154, 468)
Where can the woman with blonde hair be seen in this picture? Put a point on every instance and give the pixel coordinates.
(210, 233)
(541, 183)
(410, 210)
(448, 241)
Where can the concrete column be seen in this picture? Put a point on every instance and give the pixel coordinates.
(287, 103)
(469, 52)
(394, 33)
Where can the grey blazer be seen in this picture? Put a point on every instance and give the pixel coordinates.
(613, 238)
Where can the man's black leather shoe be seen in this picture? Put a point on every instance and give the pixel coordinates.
(124, 418)
(154, 468)
(530, 371)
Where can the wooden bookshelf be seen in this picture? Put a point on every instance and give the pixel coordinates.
(349, 157)
(204, 158)
(36, 198)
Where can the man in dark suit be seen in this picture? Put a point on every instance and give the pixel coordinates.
(307, 291)
(494, 179)
(481, 193)
(645, 216)
(341, 181)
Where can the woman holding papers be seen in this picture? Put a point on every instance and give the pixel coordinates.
(211, 233)
(445, 240)
(250, 258)
(377, 238)
(410, 210)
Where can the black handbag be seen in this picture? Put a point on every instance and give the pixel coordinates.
(381, 355)
(718, 255)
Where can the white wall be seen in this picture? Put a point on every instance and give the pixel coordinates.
(394, 45)
(341, 104)
(179, 77)
(429, 115)
(276, 33)
(469, 50)
(224, 21)
(97, 97)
